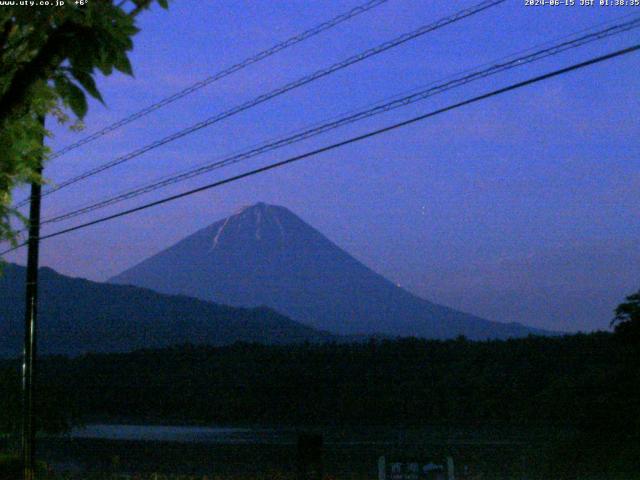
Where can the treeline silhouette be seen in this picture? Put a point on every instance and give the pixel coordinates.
(589, 381)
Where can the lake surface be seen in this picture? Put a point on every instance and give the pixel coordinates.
(166, 433)
(288, 435)
(349, 452)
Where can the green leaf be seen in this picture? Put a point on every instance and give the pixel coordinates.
(93, 39)
(122, 63)
(86, 80)
(77, 100)
(71, 94)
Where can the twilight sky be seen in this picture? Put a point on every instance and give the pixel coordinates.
(521, 208)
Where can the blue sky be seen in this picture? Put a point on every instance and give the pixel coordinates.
(521, 208)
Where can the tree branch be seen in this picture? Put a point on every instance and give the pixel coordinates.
(140, 6)
(4, 36)
(41, 67)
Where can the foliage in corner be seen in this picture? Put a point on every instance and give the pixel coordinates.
(49, 59)
(627, 319)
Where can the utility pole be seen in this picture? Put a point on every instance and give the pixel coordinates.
(30, 322)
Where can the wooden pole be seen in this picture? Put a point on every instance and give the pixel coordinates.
(30, 323)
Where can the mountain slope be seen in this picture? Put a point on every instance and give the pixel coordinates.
(266, 255)
(77, 316)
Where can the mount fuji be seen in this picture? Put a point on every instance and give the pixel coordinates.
(265, 255)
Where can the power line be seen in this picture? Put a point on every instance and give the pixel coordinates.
(223, 73)
(349, 141)
(387, 99)
(484, 5)
(350, 118)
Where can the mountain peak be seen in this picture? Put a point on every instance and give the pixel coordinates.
(260, 206)
(260, 221)
(267, 255)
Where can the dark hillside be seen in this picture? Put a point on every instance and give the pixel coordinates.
(78, 316)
